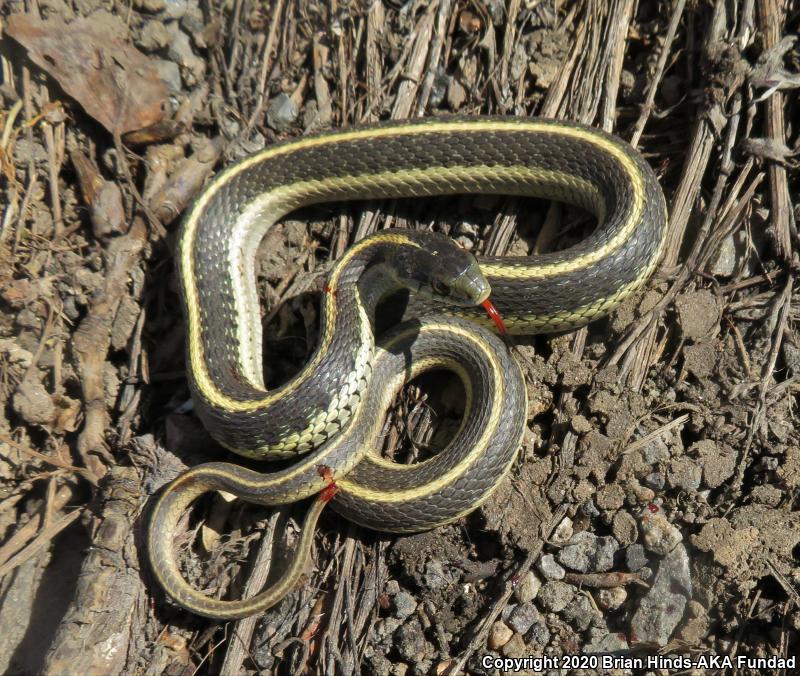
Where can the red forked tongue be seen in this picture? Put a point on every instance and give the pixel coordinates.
(496, 317)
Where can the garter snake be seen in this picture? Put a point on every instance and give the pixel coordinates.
(334, 406)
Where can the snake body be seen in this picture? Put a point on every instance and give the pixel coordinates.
(334, 404)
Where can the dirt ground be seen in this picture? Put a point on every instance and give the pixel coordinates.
(654, 506)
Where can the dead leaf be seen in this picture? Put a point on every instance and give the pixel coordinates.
(114, 82)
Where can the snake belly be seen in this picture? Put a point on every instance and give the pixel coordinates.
(324, 407)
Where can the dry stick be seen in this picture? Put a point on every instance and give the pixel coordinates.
(619, 29)
(11, 548)
(439, 34)
(782, 309)
(675, 19)
(640, 357)
(238, 646)
(509, 42)
(407, 90)
(333, 629)
(649, 320)
(266, 63)
(770, 20)
(374, 62)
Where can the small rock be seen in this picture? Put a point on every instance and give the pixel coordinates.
(515, 647)
(635, 558)
(410, 641)
(684, 473)
(435, 576)
(499, 635)
(611, 599)
(659, 535)
(538, 635)
(770, 463)
(606, 643)
(528, 587)
(698, 314)
(33, 403)
(661, 609)
(193, 68)
(281, 113)
(152, 6)
(169, 72)
(624, 528)
(549, 568)
(14, 354)
(523, 617)
(695, 628)
(580, 425)
(392, 587)
(563, 531)
(588, 553)
(404, 605)
(554, 596)
(655, 452)
(719, 462)
(655, 480)
(610, 497)
(589, 509)
(767, 495)
(580, 613)
(154, 36)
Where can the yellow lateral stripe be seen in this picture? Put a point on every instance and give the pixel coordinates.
(197, 357)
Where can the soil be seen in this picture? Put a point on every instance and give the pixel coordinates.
(653, 509)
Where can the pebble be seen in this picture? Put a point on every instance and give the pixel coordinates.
(611, 599)
(661, 609)
(769, 463)
(685, 473)
(34, 404)
(587, 552)
(410, 641)
(404, 605)
(523, 617)
(563, 531)
(580, 613)
(610, 497)
(589, 509)
(659, 535)
(624, 528)
(555, 595)
(550, 568)
(606, 643)
(635, 558)
(515, 647)
(655, 480)
(528, 587)
(435, 576)
(538, 635)
(169, 72)
(499, 635)
(193, 68)
(655, 452)
(281, 112)
(154, 36)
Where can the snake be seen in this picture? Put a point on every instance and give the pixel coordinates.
(328, 418)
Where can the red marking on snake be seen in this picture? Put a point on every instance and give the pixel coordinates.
(497, 318)
(330, 289)
(327, 494)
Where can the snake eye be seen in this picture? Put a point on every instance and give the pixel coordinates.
(440, 287)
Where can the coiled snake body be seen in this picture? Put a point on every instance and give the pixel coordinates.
(334, 407)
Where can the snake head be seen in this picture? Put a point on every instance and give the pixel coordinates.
(439, 269)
